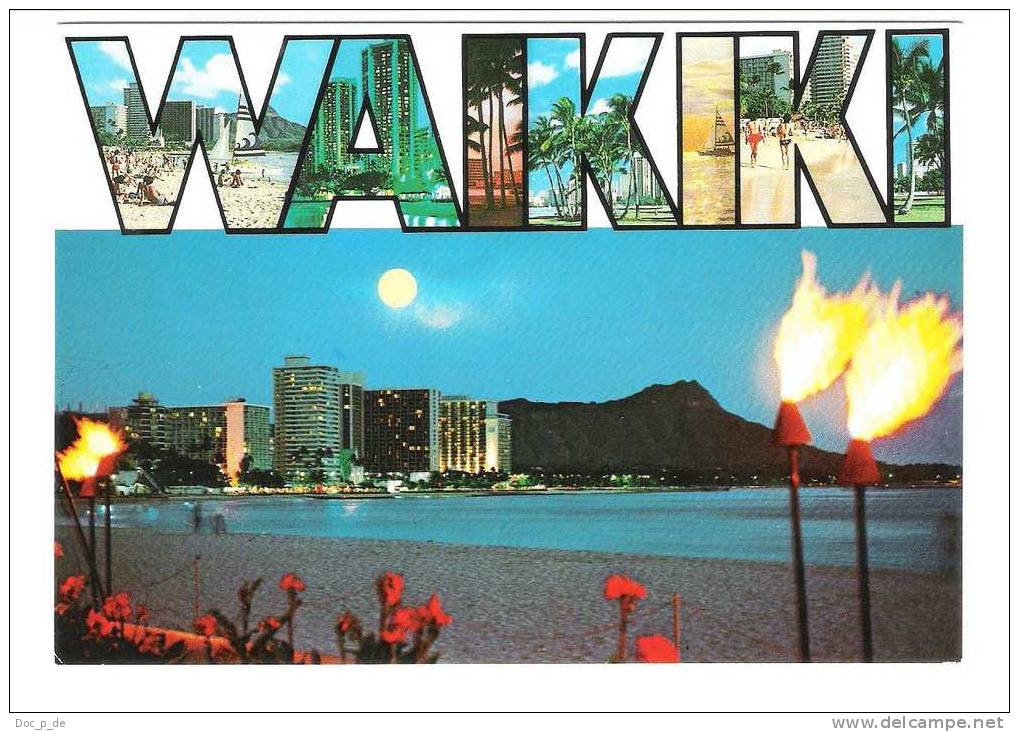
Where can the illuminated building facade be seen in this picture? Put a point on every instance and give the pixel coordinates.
(401, 430)
(390, 81)
(473, 436)
(307, 403)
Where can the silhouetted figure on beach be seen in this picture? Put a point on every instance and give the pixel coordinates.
(196, 517)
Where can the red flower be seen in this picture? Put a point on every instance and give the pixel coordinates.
(98, 623)
(205, 625)
(390, 589)
(292, 583)
(403, 620)
(619, 586)
(346, 623)
(141, 614)
(117, 607)
(269, 623)
(58, 551)
(431, 613)
(72, 587)
(62, 607)
(656, 649)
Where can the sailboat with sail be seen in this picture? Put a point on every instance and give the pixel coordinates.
(722, 142)
(245, 139)
(222, 151)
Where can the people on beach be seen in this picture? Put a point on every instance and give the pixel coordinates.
(754, 138)
(235, 180)
(150, 195)
(785, 138)
(196, 517)
(223, 176)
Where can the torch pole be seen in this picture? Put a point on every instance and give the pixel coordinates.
(863, 572)
(72, 509)
(92, 527)
(108, 520)
(799, 573)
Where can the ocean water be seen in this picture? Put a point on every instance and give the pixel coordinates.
(709, 185)
(916, 529)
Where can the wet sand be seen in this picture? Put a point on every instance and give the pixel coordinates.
(540, 606)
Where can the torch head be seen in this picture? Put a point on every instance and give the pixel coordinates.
(790, 429)
(859, 467)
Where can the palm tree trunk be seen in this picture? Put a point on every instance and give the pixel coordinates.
(484, 159)
(491, 146)
(502, 148)
(908, 203)
(555, 197)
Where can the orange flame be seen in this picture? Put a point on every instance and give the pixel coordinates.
(818, 334)
(76, 464)
(92, 452)
(902, 365)
(99, 439)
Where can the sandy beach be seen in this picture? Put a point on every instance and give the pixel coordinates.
(255, 205)
(767, 191)
(540, 606)
(841, 182)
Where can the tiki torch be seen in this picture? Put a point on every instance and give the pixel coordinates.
(815, 340)
(859, 471)
(90, 458)
(900, 369)
(791, 432)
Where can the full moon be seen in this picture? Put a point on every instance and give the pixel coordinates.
(397, 288)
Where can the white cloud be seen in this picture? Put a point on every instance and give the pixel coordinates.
(117, 51)
(572, 60)
(599, 106)
(282, 79)
(626, 56)
(439, 317)
(539, 74)
(219, 75)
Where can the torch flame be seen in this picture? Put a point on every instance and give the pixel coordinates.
(902, 365)
(819, 333)
(98, 439)
(76, 464)
(93, 452)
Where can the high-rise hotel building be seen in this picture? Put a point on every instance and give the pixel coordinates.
(473, 436)
(137, 117)
(309, 427)
(401, 430)
(218, 434)
(222, 434)
(334, 128)
(832, 73)
(390, 81)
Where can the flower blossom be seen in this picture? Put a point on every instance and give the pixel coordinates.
(292, 583)
(656, 649)
(390, 589)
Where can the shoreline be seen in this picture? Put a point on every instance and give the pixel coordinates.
(515, 605)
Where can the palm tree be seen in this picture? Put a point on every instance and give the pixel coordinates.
(476, 93)
(565, 142)
(910, 100)
(619, 117)
(930, 146)
(539, 153)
